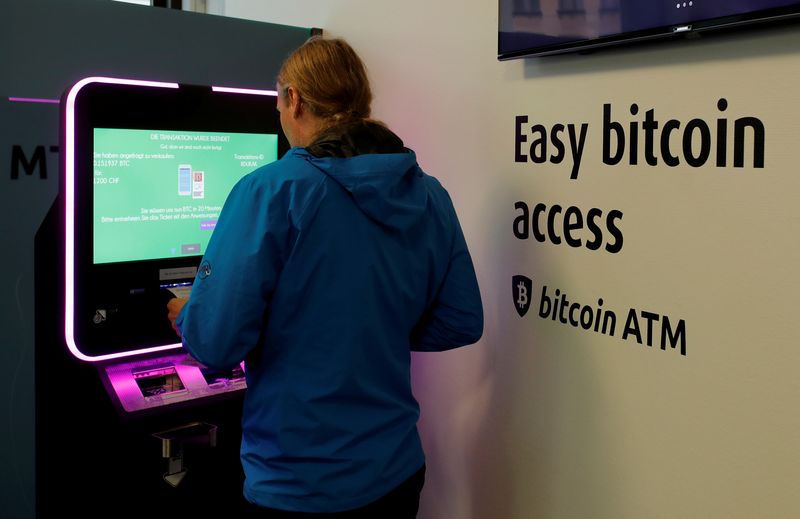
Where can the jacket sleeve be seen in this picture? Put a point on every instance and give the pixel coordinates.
(224, 317)
(455, 317)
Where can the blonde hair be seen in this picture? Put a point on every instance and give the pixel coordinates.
(331, 78)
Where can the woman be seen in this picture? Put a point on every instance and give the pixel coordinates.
(325, 270)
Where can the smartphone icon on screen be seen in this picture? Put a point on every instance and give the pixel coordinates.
(198, 184)
(185, 179)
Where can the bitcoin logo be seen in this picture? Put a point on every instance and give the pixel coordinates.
(521, 288)
(522, 298)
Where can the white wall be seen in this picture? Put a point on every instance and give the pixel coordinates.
(544, 420)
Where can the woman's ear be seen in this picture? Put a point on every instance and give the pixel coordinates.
(295, 101)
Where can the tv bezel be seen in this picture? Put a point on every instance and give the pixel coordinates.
(750, 19)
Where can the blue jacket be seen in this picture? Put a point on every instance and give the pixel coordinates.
(324, 274)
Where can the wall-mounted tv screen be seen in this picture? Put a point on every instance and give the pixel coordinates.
(545, 27)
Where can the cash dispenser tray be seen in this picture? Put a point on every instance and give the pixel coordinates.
(173, 442)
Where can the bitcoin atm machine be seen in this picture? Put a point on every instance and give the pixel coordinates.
(125, 418)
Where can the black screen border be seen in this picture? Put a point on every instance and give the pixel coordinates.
(113, 105)
(750, 19)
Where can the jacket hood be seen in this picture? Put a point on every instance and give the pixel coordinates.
(388, 187)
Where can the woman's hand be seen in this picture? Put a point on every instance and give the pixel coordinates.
(174, 306)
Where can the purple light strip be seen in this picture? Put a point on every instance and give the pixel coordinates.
(33, 100)
(69, 231)
(251, 91)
